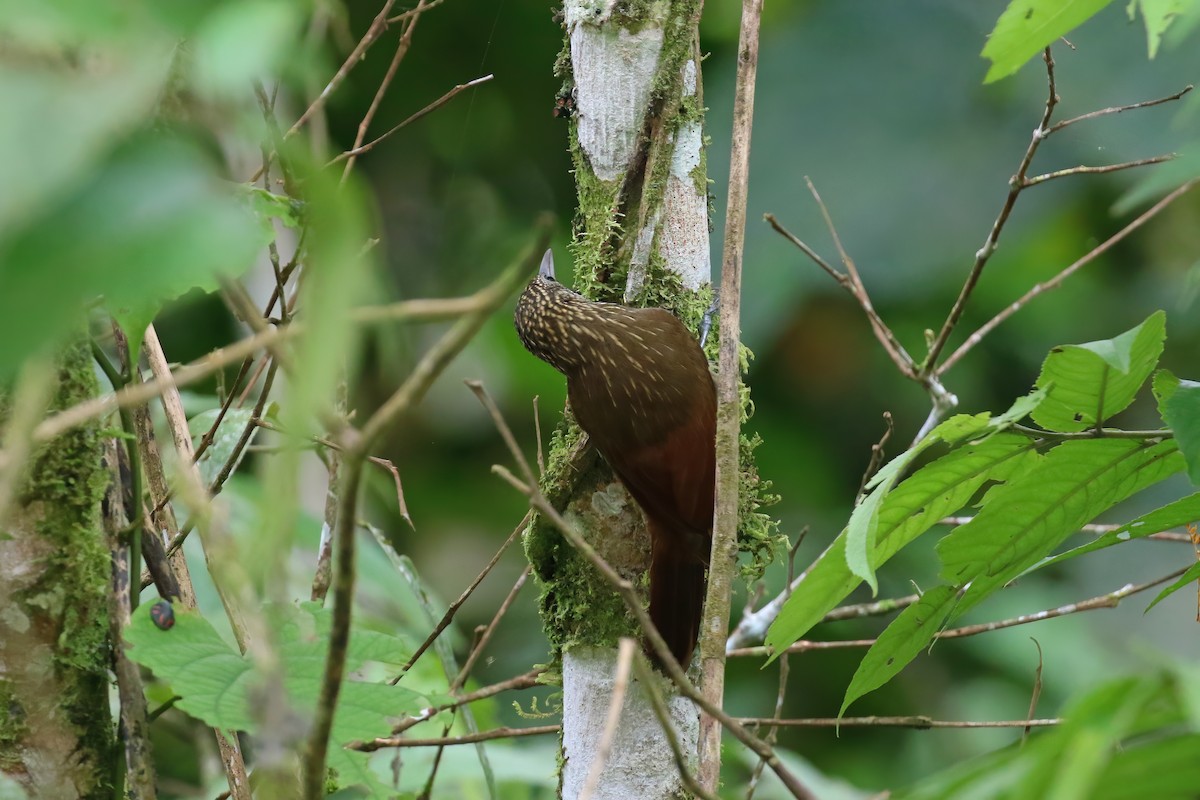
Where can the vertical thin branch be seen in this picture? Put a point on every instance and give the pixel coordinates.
(339, 634)
(724, 545)
(139, 766)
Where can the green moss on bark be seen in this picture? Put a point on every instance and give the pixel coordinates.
(57, 509)
(578, 606)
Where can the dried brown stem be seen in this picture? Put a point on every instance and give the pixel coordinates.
(525, 680)
(486, 636)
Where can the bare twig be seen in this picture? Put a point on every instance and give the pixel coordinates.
(1101, 170)
(918, 722)
(625, 653)
(1057, 280)
(877, 454)
(374, 31)
(452, 609)
(1058, 126)
(358, 149)
(1016, 184)
(526, 680)
(450, 741)
(1109, 600)
(486, 636)
(339, 633)
(1094, 528)
(715, 619)
(401, 51)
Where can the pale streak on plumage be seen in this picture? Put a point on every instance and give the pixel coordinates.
(656, 427)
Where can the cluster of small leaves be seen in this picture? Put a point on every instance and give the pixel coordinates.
(1044, 485)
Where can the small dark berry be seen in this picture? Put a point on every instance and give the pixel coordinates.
(163, 615)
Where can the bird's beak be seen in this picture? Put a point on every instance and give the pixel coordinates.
(546, 270)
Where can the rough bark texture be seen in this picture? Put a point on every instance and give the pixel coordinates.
(641, 237)
(55, 729)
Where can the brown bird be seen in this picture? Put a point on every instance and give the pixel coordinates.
(640, 388)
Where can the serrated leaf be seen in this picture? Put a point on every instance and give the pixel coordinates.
(1172, 515)
(214, 680)
(1028, 26)
(1087, 384)
(1181, 412)
(1190, 576)
(204, 669)
(1026, 518)
(900, 642)
(913, 507)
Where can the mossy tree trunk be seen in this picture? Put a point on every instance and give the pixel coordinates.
(56, 735)
(632, 90)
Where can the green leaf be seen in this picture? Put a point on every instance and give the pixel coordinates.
(1164, 385)
(149, 226)
(913, 507)
(1172, 515)
(210, 675)
(1071, 762)
(900, 642)
(1028, 26)
(1025, 519)
(864, 519)
(1182, 414)
(1086, 384)
(215, 681)
(1191, 576)
(270, 206)
(224, 441)
(1163, 768)
(239, 41)
(1158, 16)
(1120, 741)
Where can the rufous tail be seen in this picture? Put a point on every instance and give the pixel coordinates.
(677, 589)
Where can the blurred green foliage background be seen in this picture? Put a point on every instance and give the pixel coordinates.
(882, 105)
